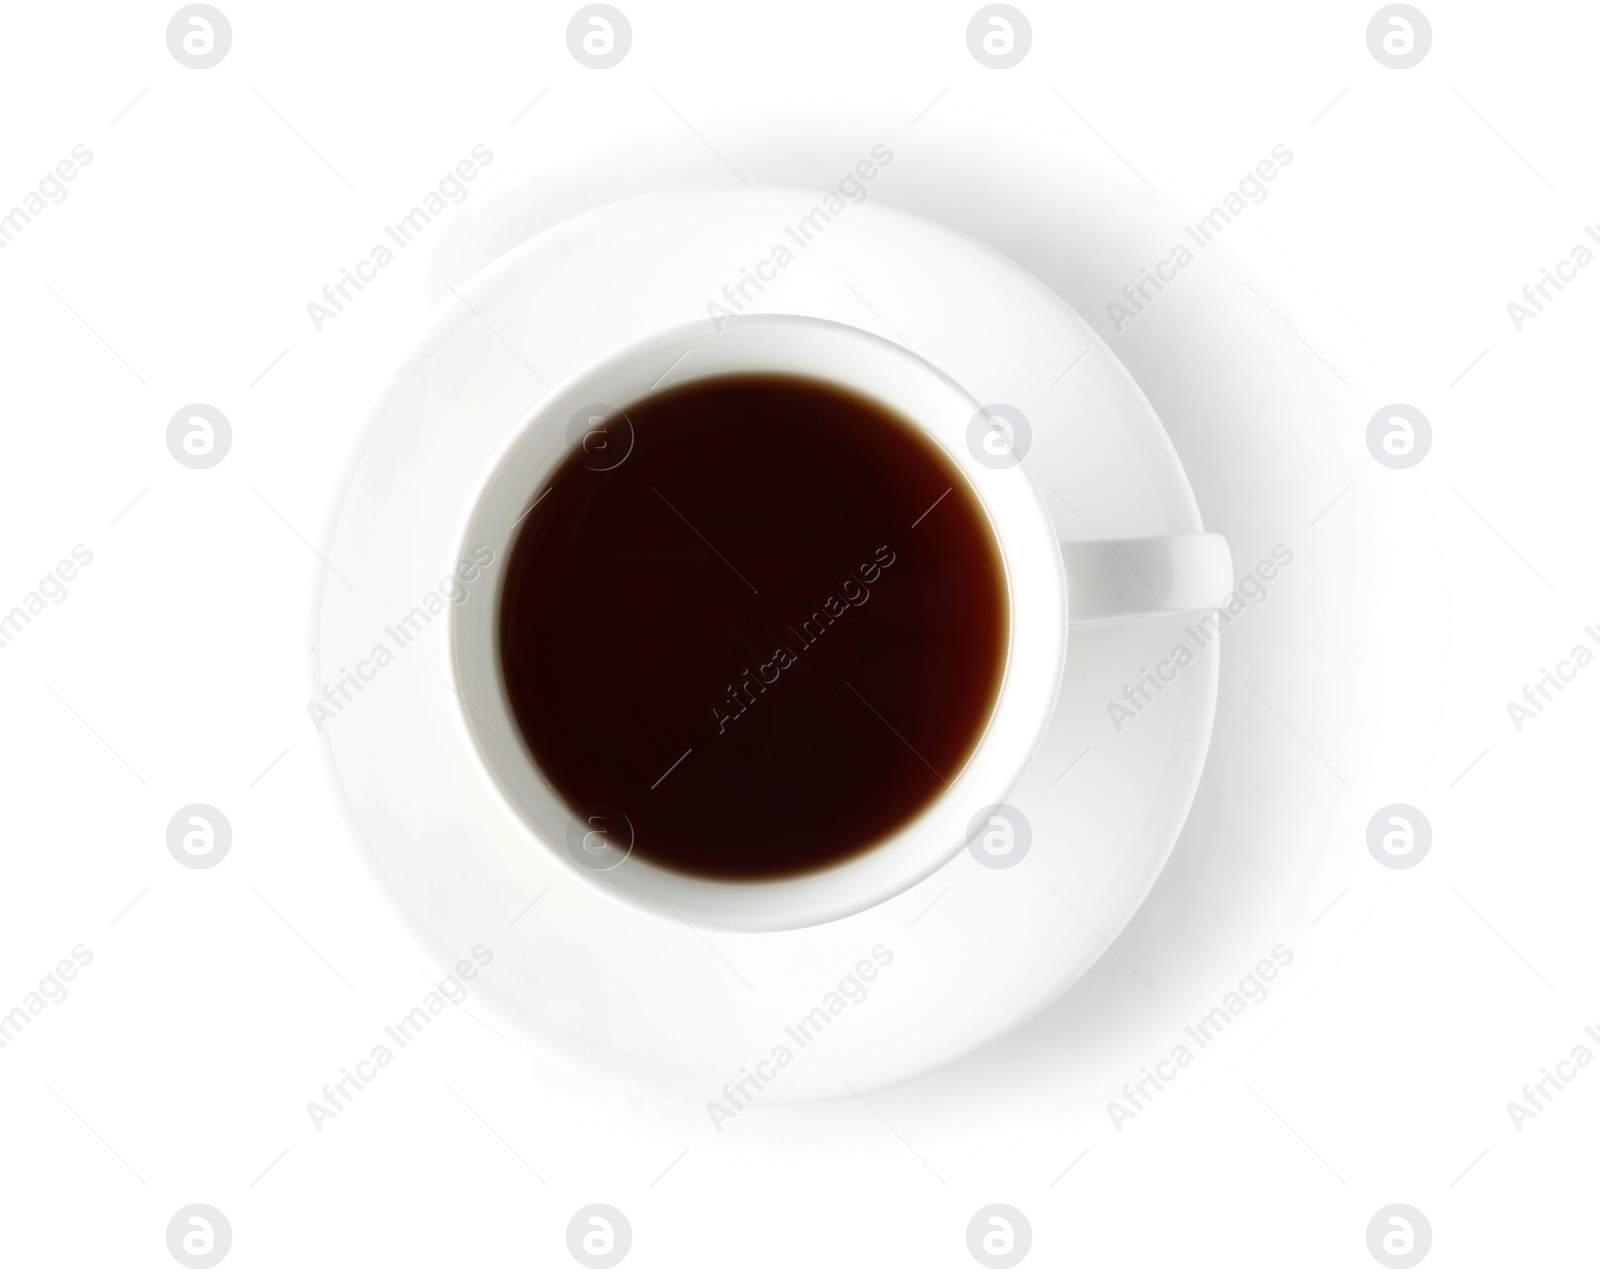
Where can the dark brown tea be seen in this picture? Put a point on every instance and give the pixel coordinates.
(761, 616)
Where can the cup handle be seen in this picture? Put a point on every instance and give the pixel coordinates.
(1109, 581)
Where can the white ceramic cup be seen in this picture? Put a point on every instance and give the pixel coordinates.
(1048, 584)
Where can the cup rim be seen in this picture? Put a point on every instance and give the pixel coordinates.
(1024, 538)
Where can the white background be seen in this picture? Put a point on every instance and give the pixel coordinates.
(177, 270)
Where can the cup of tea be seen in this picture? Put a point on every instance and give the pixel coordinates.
(772, 613)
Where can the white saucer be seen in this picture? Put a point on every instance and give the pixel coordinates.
(651, 1005)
